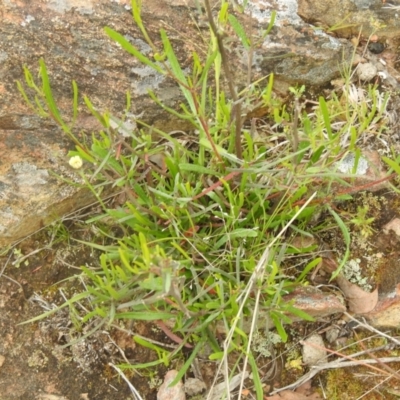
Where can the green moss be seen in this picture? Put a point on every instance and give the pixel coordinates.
(341, 385)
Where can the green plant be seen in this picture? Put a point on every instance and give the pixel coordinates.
(207, 219)
(362, 222)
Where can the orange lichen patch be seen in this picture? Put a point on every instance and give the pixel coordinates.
(12, 18)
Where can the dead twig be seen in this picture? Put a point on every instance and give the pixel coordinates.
(340, 363)
(384, 366)
(372, 329)
(332, 365)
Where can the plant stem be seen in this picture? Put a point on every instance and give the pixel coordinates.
(236, 109)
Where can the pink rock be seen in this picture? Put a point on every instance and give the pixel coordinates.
(386, 314)
(315, 303)
(171, 393)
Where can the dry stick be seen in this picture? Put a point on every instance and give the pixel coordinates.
(7, 277)
(337, 364)
(237, 107)
(374, 387)
(352, 358)
(217, 184)
(332, 365)
(349, 190)
(372, 329)
(172, 335)
(384, 366)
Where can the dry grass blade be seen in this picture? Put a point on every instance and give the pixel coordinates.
(218, 391)
(135, 393)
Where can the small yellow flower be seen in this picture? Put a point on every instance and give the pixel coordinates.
(75, 162)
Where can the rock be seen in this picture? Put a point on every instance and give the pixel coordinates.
(314, 302)
(309, 299)
(350, 17)
(393, 225)
(386, 314)
(332, 334)
(370, 173)
(30, 195)
(295, 51)
(194, 386)
(171, 393)
(366, 72)
(376, 48)
(314, 350)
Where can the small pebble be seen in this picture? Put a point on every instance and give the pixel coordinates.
(194, 386)
(332, 334)
(171, 393)
(376, 48)
(367, 71)
(314, 350)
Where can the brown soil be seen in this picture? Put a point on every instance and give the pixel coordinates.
(34, 363)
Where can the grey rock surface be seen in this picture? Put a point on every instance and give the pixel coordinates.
(350, 17)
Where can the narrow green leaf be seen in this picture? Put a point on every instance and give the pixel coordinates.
(267, 93)
(347, 240)
(144, 316)
(175, 66)
(169, 109)
(136, 11)
(126, 45)
(271, 23)
(216, 356)
(188, 362)
(75, 101)
(196, 168)
(256, 377)
(223, 12)
(240, 332)
(279, 327)
(94, 112)
(239, 30)
(300, 313)
(394, 165)
(244, 232)
(317, 154)
(24, 95)
(147, 365)
(208, 64)
(148, 345)
(311, 265)
(325, 115)
(48, 93)
(75, 299)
